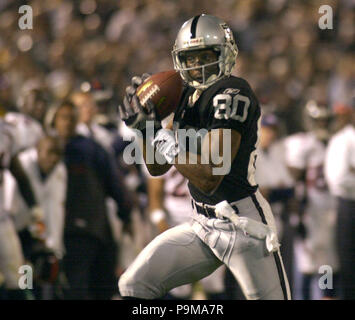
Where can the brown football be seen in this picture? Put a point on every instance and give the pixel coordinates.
(164, 90)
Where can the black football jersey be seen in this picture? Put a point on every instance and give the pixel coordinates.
(229, 104)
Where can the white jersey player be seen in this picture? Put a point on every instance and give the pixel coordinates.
(48, 180)
(277, 185)
(305, 155)
(271, 172)
(27, 130)
(28, 122)
(11, 256)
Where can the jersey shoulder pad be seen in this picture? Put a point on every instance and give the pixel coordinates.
(232, 83)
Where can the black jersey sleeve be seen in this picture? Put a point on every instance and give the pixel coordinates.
(231, 108)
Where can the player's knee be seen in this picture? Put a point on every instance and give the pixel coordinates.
(130, 286)
(125, 285)
(274, 293)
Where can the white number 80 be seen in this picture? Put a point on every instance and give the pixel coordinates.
(238, 111)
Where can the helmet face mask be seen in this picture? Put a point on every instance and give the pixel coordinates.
(199, 34)
(200, 66)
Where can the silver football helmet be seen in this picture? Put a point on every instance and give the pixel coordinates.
(205, 32)
(318, 117)
(317, 111)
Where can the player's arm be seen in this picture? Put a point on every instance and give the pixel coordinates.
(208, 173)
(28, 195)
(23, 182)
(156, 200)
(114, 184)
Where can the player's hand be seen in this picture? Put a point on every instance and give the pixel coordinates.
(132, 112)
(37, 227)
(165, 143)
(301, 230)
(37, 213)
(37, 230)
(158, 218)
(162, 226)
(128, 229)
(252, 227)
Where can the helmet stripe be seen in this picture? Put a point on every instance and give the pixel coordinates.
(194, 26)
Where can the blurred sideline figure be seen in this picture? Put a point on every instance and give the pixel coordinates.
(87, 102)
(27, 129)
(43, 246)
(276, 184)
(90, 259)
(136, 180)
(11, 255)
(87, 126)
(28, 122)
(305, 155)
(340, 175)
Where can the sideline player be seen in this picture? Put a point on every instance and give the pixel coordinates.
(340, 175)
(232, 223)
(277, 185)
(28, 122)
(44, 167)
(305, 156)
(43, 244)
(11, 256)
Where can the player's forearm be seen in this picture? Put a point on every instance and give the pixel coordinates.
(213, 162)
(23, 182)
(201, 175)
(155, 194)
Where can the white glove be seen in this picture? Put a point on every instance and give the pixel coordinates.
(37, 213)
(165, 144)
(37, 227)
(254, 228)
(249, 226)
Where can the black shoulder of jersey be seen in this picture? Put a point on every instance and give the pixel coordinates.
(233, 82)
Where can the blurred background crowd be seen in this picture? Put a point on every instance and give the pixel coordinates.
(67, 75)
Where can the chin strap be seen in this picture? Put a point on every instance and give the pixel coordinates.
(203, 86)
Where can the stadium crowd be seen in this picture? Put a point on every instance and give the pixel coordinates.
(61, 82)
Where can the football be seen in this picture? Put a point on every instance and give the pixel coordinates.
(164, 90)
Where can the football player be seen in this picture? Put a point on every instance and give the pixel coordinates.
(47, 175)
(339, 172)
(26, 130)
(305, 156)
(232, 222)
(29, 121)
(276, 184)
(11, 255)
